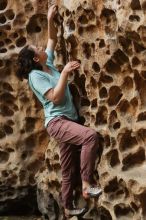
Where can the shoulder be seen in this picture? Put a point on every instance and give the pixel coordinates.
(36, 74)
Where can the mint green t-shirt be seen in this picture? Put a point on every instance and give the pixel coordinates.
(40, 82)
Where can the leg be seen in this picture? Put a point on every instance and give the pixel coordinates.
(67, 169)
(66, 131)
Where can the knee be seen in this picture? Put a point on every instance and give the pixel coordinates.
(92, 136)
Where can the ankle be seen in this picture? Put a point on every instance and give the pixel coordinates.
(85, 184)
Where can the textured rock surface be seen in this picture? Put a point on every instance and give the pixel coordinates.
(109, 38)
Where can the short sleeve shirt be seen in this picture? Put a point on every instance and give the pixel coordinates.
(40, 82)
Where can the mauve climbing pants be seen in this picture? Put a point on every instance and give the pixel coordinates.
(70, 134)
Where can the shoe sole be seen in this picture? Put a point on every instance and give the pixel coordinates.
(88, 196)
(79, 215)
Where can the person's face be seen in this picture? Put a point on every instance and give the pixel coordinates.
(40, 54)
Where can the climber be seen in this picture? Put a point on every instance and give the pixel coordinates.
(61, 119)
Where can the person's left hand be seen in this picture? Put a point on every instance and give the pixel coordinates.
(52, 11)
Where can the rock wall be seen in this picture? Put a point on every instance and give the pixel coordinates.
(109, 39)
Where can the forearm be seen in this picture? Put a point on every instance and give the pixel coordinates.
(59, 90)
(52, 30)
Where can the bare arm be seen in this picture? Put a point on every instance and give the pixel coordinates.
(57, 94)
(52, 30)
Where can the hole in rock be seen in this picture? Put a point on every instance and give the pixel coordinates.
(3, 50)
(24, 155)
(22, 175)
(3, 4)
(94, 103)
(85, 102)
(133, 35)
(112, 117)
(104, 214)
(120, 57)
(72, 40)
(124, 106)
(83, 20)
(8, 129)
(10, 14)
(15, 35)
(93, 82)
(133, 159)
(112, 67)
(2, 19)
(112, 186)
(142, 199)
(80, 81)
(7, 87)
(4, 173)
(20, 42)
(135, 5)
(113, 158)
(76, 96)
(67, 12)
(134, 206)
(80, 31)
(141, 116)
(42, 136)
(32, 179)
(35, 23)
(123, 210)
(82, 120)
(8, 41)
(28, 7)
(2, 133)
(29, 124)
(108, 52)
(101, 43)
(10, 150)
(101, 116)
(143, 73)
(125, 43)
(115, 95)
(138, 48)
(135, 61)
(79, 8)
(103, 92)
(107, 13)
(134, 18)
(7, 97)
(30, 141)
(71, 25)
(95, 67)
(116, 125)
(142, 134)
(128, 83)
(127, 140)
(1, 64)
(86, 50)
(6, 111)
(106, 78)
(4, 157)
(107, 141)
(144, 5)
(1, 44)
(34, 166)
(140, 84)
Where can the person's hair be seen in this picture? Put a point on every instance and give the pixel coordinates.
(26, 63)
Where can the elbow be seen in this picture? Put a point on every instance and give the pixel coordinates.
(56, 101)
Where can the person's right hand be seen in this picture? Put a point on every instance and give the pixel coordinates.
(70, 66)
(52, 11)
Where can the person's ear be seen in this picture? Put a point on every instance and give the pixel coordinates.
(36, 59)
